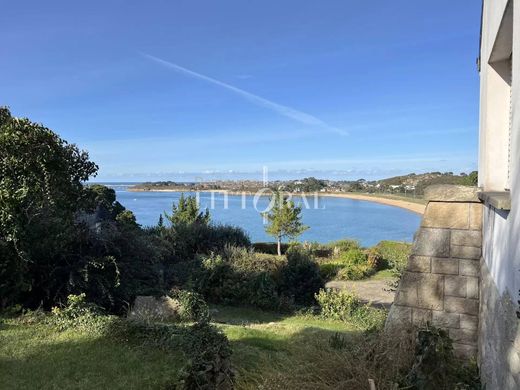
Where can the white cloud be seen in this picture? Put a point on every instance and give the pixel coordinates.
(286, 111)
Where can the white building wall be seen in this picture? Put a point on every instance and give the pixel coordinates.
(499, 338)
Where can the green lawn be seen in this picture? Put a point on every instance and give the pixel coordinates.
(268, 349)
(38, 357)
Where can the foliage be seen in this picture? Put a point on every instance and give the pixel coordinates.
(338, 305)
(187, 212)
(344, 245)
(239, 276)
(300, 277)
(284, 219)
(209, 366)
(435, 366)
(345, 306)
(352, 264)
(193, 307)
(79, 314)
(355, 272)
(41, 189)
(270, 248)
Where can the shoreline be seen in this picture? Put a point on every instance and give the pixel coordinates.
(417, 208)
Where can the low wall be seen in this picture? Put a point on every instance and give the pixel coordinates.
(441, 282)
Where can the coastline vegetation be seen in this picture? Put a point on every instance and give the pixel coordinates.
(73, 261)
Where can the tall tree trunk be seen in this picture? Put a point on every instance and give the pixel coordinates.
(279, 246)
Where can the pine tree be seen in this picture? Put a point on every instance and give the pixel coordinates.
(187, 212)
(284, 220)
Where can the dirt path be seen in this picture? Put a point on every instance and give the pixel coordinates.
(368, 291)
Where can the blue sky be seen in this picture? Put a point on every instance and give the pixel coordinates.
(178, 89)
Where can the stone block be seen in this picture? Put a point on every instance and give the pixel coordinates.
(472, 287)
(466, 238)
(424, 291)
(465, 351)
(432, 242)
(461, 305)
(469, 267)
(446, 215)
(468, 322)
(465, 252)
(455, 286)
(464, 336)
(445, 266)
(445, 320)
(475, 216)
(451, 193)
(398, 316)
(419, 264)
(421, 316)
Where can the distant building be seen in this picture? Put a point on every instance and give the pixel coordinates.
(499, 179)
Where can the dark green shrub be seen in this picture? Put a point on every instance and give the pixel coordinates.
(209, 365)
(300, 277)
(193, 307)
(188, 240)
(435, 366)
(240, 276)
(269, 248)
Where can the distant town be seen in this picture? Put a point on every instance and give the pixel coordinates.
(408, 185)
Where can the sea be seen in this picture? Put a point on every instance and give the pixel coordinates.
(328, 218)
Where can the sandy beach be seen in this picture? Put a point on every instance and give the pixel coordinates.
(401, 203)
(404, 204)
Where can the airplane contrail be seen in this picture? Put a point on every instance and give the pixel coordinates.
(288, 112)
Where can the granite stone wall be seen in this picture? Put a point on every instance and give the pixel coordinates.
(499, 336)
(441, 282)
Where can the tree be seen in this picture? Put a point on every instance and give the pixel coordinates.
(284, 219)
(187, 212)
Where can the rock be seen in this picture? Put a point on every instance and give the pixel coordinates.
(155, 308)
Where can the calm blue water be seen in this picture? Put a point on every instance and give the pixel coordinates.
(336, 218)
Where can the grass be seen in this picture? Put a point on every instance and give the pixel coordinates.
(266, 345)
(38, 357)
(385, 274)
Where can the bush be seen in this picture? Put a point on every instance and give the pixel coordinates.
(394, 254)
(193, 307)
(188, 240)
(269, 248)
(355, 272)
(300, 277)
(240, 276)
(341, 246)
(435, 366)
(78, 313)
(354, 257)
(337, 305)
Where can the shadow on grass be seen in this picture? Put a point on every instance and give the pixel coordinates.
(80, 361)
